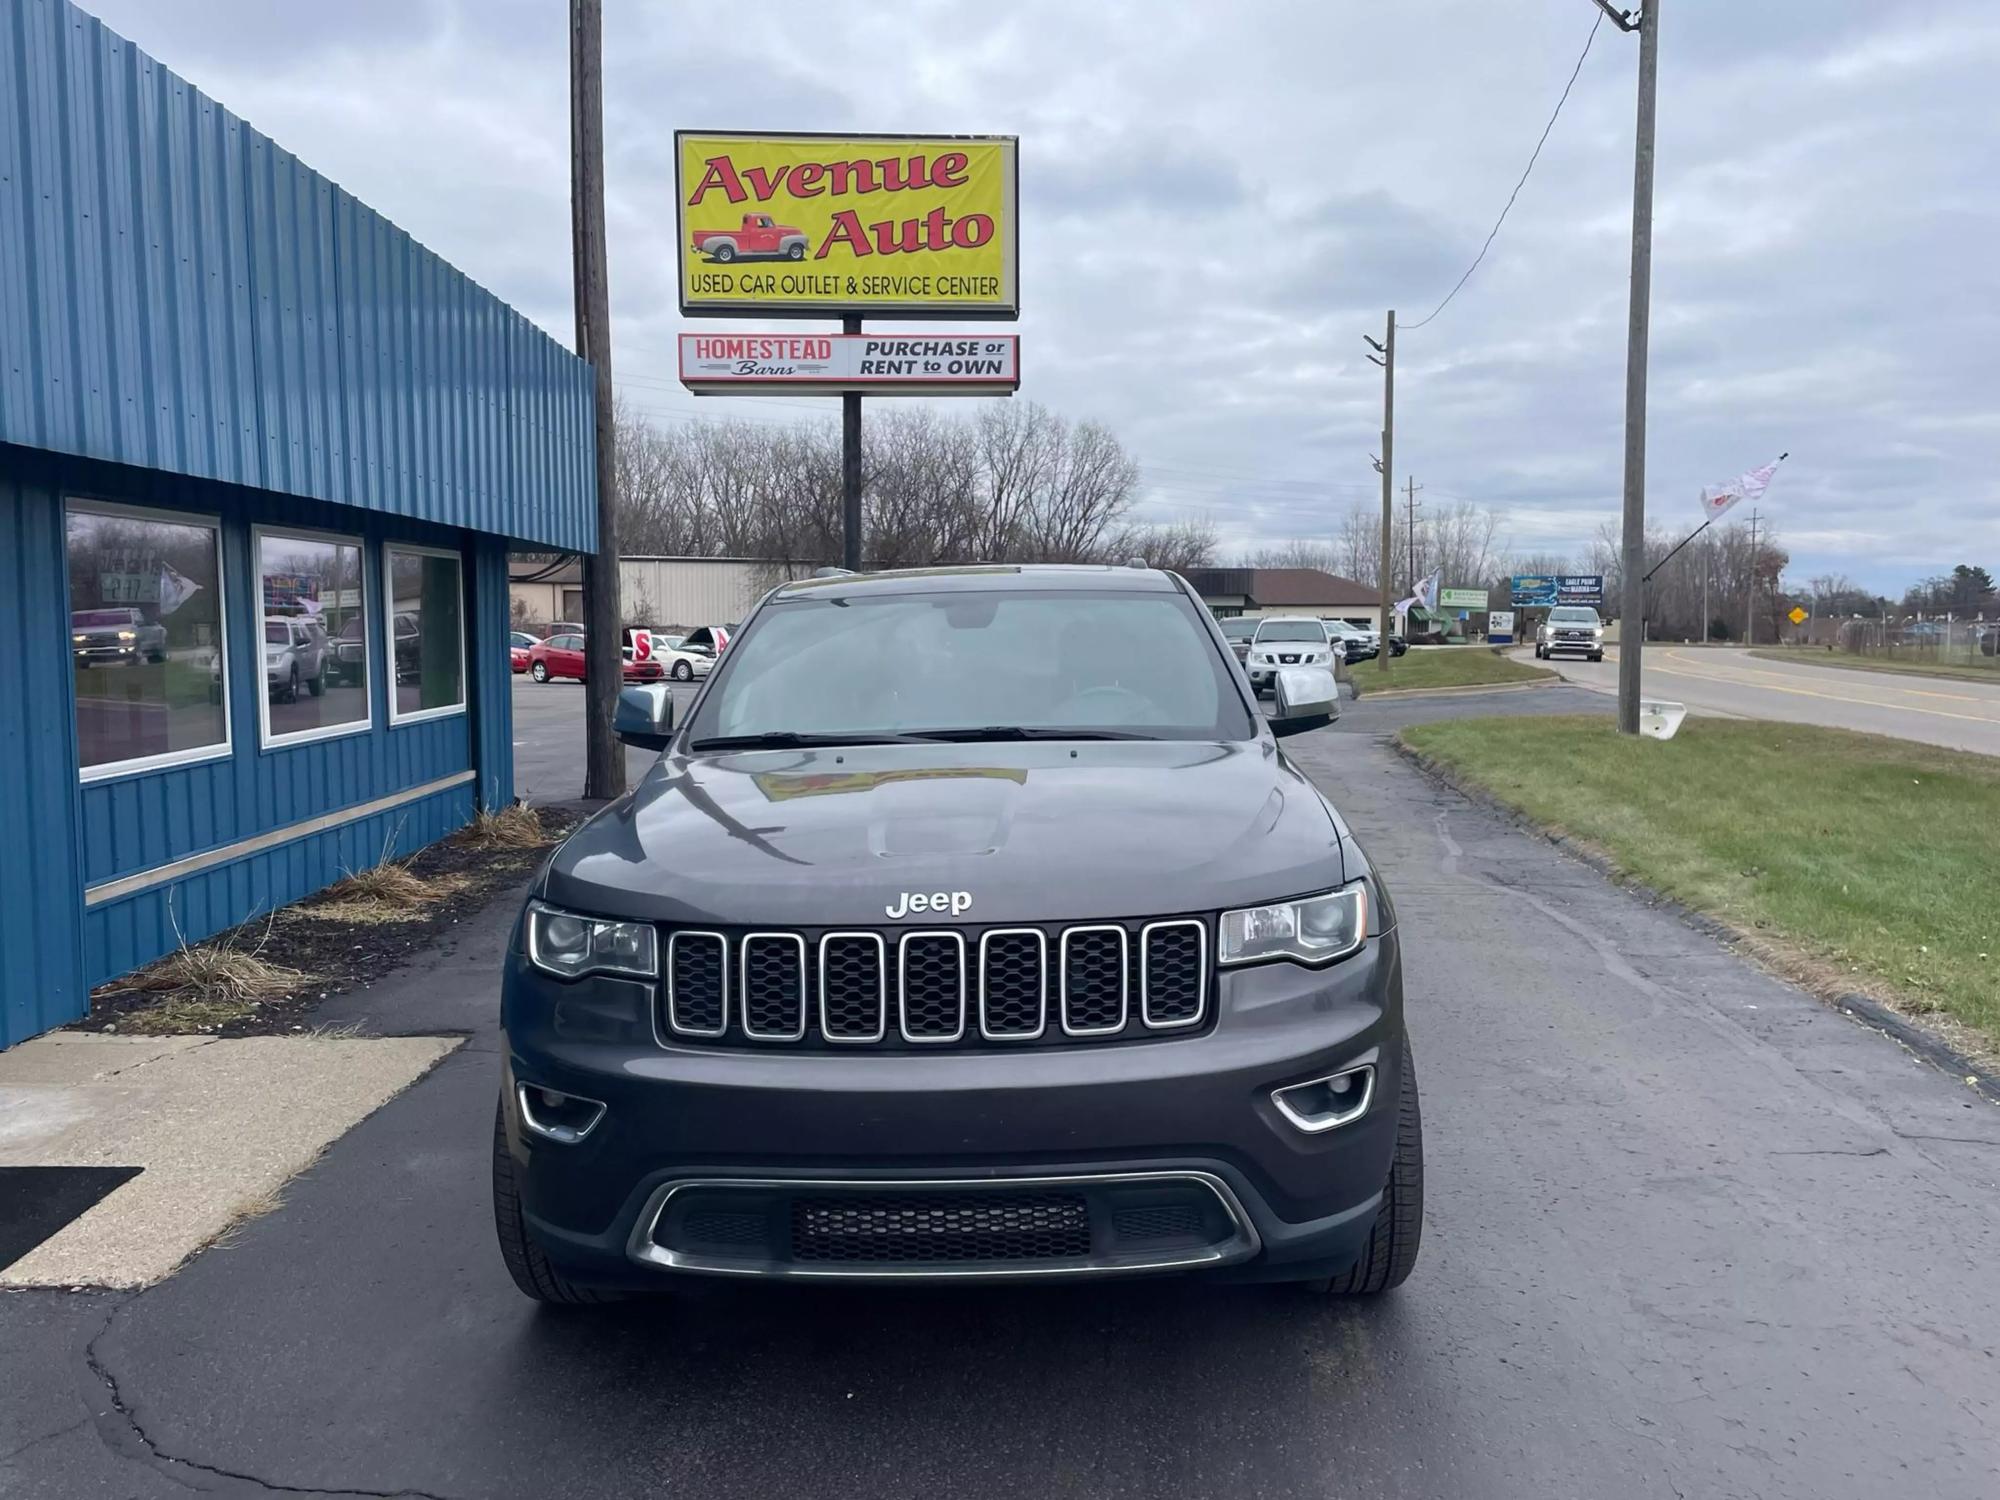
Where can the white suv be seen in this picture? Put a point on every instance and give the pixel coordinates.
(1289, 641)
(294, 657)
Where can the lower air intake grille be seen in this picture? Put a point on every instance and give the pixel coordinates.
(890, 1229)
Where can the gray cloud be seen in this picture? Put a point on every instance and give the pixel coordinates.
(1219, 201)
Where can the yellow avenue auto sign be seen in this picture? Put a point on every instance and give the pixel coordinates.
(829, 226)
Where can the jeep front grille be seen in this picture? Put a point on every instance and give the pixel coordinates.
(938, 987)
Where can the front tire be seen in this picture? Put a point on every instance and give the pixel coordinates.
(683, 672)
(292, 686)
(317, 687)
(539, 671)
(1597, 656)
(530, 1268)
(1390, 1255)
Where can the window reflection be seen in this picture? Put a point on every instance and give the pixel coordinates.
(426, 632)
(146, 643)
(315, 635)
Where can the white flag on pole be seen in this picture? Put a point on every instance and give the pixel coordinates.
(1427, 591)
(175, 589)
(1717, 499)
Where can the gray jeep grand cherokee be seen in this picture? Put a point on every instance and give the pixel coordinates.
(973, 926)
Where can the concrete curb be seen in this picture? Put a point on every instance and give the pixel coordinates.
(1473, 687)
(1925, 1046)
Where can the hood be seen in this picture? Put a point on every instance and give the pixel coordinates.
(1032, 832)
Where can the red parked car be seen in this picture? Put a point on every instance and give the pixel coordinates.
(562, 656)
(519, 644)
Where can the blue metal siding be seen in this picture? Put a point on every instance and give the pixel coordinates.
(41, 984)
(179, 292)
(98, 831)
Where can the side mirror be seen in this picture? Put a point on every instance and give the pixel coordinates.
(1305, 698)
(645, 716)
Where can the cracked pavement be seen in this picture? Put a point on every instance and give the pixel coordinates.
(1690, 1233)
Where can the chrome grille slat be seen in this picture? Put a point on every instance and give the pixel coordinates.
(698, 983)
(930, 986)
(1013, 967)
(1095, 980)
(1178, 996)
(853, 987)
(772, 976)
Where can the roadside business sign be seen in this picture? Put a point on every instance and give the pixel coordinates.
(1540, 591)
(736, 364)
(828, 226)
(1500, 626)
(1532, 591)
(1461, 598)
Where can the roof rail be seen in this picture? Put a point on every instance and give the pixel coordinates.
(833, 573)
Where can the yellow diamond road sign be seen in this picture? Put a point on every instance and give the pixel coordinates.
(1797, 616)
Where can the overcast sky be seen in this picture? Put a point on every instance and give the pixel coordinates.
(1219, 200)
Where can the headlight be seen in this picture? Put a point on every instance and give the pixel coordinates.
(568, 946)
(128, 635)
(1312, 930)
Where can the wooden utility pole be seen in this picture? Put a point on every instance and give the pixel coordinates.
(850, 469)
(1750, 609)
(1387, 349)
(603, 664)
(1632, 610)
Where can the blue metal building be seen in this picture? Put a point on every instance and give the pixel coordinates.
(261, 458)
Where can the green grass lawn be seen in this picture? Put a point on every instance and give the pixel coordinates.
(1980, 669)
(1876, 861)
(1447, 666)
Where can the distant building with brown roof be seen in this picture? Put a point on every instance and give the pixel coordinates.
(1287, 591)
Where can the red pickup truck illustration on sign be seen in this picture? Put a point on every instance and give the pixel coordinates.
(758, 236)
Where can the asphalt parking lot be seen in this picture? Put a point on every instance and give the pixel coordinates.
(1688, 1233)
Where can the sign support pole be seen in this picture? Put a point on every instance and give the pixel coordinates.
(850, 468)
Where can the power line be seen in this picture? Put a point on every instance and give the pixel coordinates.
(1524, 177)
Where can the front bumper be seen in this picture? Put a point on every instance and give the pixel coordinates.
(761, 1129)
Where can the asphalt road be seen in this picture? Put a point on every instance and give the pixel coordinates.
(1717, 679)
(1688, 1233)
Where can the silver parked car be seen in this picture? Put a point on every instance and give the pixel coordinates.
(295, 656)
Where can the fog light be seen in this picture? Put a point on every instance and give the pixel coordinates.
(1327, 1103)
(556, 1116)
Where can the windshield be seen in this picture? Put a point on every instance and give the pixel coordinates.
(1033, 664)
(92, 619)
(1572, 616)
(1291, 630)
(276, 635)
(1239, 630)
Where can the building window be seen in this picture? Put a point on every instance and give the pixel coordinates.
(145, 630)
(425, 626)
(315, 636)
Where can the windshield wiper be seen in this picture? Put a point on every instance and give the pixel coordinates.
(791, 739)
(1020, 732)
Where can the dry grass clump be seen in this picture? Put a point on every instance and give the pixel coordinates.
(517, 826)
(206, 985)
(387, 892)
